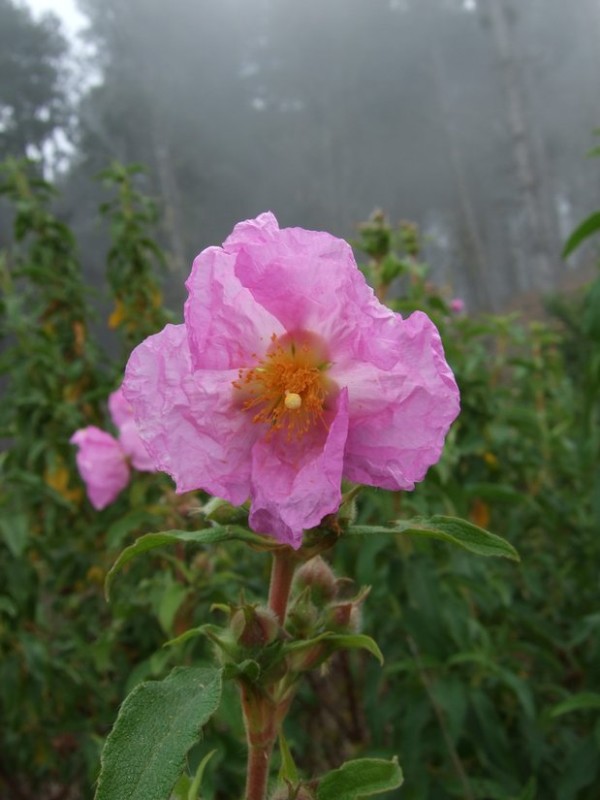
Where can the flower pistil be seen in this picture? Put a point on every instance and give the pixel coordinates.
(288, 389)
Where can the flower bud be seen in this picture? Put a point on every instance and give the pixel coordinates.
(254, 626)
(318, 576)
(302, 617)
(344, 617)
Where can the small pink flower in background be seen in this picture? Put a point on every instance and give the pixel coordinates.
(457, 305)
(102, 464)
(103, 461)
(287, 375)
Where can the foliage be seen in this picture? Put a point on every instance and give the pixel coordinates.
(64, 657)
(490, 682)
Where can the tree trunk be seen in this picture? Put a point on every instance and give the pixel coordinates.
(475, 261)
(529, 181)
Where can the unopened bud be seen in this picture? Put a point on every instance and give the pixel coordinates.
(344, 617)
(254, 626)
(302, 617)
(318, 576)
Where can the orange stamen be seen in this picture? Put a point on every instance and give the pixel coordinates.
(288, 388)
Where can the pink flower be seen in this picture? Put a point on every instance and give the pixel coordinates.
(457, 305)
(103, 461)
(287, 375)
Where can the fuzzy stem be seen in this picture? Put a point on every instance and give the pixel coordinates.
(259, 757)
(282, 573)
(263, 716)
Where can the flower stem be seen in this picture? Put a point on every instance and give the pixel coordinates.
(282, 573)
(263, 713)
(257, 776)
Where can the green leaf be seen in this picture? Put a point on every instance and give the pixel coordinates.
(170, 603)
(288, 770)
(448, 529)
(339, 641)
(578, 702)
(15, 531)
(151, 541)
(582, 232)
(194, 792)
(580, 771)
(157, 724)
(125, 525)
(529, 791)
(361, 778)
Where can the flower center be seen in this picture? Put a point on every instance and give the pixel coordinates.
(289, 387)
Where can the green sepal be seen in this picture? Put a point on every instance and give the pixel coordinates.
(212, 632)
(337, 641)
(288, 772)
(248, 669)
(447, 529)
(363, 777)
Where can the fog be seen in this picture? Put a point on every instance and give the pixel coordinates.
(472, 119)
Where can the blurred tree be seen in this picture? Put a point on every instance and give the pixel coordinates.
(470, 117)
(170, 98)
(538, 238)
(33, 100)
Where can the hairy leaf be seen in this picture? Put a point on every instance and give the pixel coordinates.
(157, 724)
(361, 778)
(448, 529)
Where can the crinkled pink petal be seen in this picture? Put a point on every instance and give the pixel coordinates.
(403, 399)
(120, 409)
(122, 415)
(135, 448)
(295, 484)
(307, 279)
(187, 419)
(102, 465)
(227, 328)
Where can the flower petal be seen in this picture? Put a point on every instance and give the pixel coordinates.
(188, 420)
(295, 484)
(227, 327)
(122, 415)
(102, 465)
(120, 410)
(135, 448)
(307, 279)
(403, 399)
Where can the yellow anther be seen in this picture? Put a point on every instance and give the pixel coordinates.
(292, 401)
(288, 388)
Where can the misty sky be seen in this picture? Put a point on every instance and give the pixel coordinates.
(65, 9)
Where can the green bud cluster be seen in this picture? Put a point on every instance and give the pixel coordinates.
(317, 608)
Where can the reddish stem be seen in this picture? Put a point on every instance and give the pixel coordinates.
(282, 573)
(263, 717)
(259, 757)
